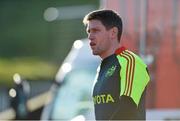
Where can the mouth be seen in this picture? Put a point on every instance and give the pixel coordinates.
(92, 44)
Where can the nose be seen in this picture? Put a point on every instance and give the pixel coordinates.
(90, 36)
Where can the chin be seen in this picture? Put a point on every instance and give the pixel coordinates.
(94, 53)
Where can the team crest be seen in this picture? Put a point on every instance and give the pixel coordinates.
(110, 71)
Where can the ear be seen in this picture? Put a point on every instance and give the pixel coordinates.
(114, 32)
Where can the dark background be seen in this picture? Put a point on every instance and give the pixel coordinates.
(32, 46)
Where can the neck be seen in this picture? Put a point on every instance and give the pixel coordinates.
(111, 50)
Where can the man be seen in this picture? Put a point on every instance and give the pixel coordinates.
(119, 87)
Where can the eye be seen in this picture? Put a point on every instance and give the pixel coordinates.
(92, 30)
(95, 30)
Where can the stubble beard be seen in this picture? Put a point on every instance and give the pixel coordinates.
(97, 51)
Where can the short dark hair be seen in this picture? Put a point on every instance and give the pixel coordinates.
(109, 19)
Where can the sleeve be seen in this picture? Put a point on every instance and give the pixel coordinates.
(133, 81)
(134, 76)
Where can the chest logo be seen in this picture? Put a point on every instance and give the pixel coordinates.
(110, 71)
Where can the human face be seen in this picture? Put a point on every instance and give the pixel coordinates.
(100, 38)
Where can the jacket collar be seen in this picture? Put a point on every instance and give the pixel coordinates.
(120, 50)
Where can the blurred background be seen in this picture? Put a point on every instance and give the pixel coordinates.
(36, 37)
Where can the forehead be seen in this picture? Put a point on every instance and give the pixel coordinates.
(94, 24)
